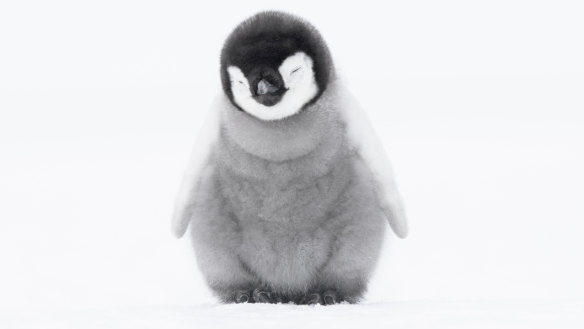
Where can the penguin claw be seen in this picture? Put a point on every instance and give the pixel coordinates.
(242, 296)
(330, 297)
(261, 296)
(312, 299)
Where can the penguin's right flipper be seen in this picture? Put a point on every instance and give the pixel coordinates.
(199, 166)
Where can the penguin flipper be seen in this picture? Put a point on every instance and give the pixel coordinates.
(366, 143)
(198, 168)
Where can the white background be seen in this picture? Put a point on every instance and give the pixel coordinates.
(479, 103)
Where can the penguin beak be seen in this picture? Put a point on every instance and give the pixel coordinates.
(267, 93)
(265, 87)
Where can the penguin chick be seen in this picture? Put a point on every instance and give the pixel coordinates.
(287, 192)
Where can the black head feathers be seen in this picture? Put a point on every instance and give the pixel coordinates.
(260, 44)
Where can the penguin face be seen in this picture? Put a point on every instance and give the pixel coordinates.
(275, 94)
(273, 65)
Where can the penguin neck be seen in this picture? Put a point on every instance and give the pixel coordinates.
(279, 140)
(306, 144)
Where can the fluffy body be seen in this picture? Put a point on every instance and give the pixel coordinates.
(288, 192)
(290, 216)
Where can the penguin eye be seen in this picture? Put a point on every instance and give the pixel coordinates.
(296, 70)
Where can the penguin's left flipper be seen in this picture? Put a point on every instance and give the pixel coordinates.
(364, 141)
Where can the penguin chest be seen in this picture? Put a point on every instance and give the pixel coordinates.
(300, 201)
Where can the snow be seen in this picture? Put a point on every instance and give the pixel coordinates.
(479, 105)
(516, 315)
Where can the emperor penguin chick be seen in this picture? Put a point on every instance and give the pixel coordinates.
(287, 193)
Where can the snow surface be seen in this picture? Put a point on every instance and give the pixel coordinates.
(479, 104)
(516, 315)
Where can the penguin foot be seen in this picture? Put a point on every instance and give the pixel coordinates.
(242, 296)
(330, 297)
(262, 296)
(311, 299)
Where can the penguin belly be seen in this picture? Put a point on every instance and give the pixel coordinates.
(284, 236)
(284, 257)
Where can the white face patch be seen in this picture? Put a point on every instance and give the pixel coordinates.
(299, 80)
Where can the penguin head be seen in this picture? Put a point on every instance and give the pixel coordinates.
(273, 65)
